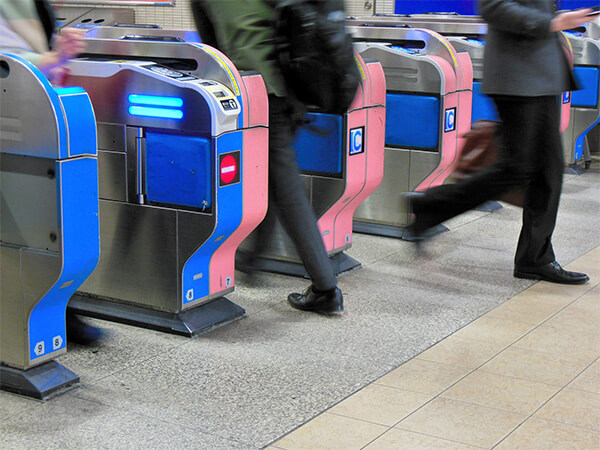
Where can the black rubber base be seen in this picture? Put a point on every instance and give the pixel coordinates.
(392, 231)
(341, 263)
(41, 382)
(489, 206)
(199, 320)
(574, 169)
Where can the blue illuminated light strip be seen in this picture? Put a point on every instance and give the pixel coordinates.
(156, 100)
(69, 90)
(161, 113)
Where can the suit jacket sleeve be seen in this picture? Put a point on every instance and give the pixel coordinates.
(514, 17)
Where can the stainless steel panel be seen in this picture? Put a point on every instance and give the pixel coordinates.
(325, 192)
(28, 202)
(25, 101)
(111, 137)
(69, 16)
(386, 205)
(475, 51)
(208, 66)
(138, 256)
(12, 310)
(112, 175)
(421, 165)
(443, 24)
(586, 51)
(122, 32)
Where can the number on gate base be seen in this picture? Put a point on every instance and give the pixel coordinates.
(190, 295)
(40, 348)
(57, 342)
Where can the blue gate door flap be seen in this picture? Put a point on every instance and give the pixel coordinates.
(318, 144)
(412, 121)
(178, 170)
(587, 96)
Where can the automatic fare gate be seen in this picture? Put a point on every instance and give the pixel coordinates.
(183, 180)
(585, 103)
(428, 111)
(340, 158)
(49, 238)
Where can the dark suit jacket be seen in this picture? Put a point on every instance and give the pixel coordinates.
(522, 57)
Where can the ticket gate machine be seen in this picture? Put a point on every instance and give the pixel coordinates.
(585, 103)
(86, 17)
(428, 111)
(49, 237)
(183, 180)
(341, 160)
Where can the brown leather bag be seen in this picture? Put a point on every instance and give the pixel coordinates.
(479, 151)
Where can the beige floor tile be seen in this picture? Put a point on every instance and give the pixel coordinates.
(381, 404)
(491, 329)
(572, 407)
(497, 391)
(584, 320)
(462, 422)
(536, 366)
(538, 434)
(456, 351)
(524, 310)
(423, 376)
(329, 431)
(590, 301)
(401, 439)
(589, 380)
(562, 341)
(559, 294)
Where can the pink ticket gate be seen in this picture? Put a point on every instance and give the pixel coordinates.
(341, 162)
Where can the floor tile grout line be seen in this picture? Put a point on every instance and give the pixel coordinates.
(416, 356)
(422, 434)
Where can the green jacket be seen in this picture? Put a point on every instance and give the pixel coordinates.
(244, 31)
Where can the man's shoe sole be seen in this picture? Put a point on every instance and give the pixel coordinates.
(323, 308)
(535, 276)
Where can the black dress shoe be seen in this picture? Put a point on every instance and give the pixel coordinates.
(309, 300)
(79, 332)
(551, 272)
(417, 231)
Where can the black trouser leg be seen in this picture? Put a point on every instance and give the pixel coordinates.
(530, 157)
(542, 192)
(288, 199)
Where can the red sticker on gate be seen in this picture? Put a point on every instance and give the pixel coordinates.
(229, 168)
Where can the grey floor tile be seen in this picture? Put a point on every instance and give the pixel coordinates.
(70, 422)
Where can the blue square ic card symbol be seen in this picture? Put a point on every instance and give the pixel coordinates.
(357, 140)
(566, 97)
(450, 120)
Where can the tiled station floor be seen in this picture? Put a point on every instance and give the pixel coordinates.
(435, 349)
(526, 375)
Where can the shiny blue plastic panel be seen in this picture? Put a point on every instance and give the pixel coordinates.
(228, 209)
(78, 108)
(77, 190)
(412, 121)
(178, 170)
(483, 106)
(587, 96)
(319, 144)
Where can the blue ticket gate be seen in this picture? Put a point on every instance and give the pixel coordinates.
(585, 103)
(49, 230)
(183, 141)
